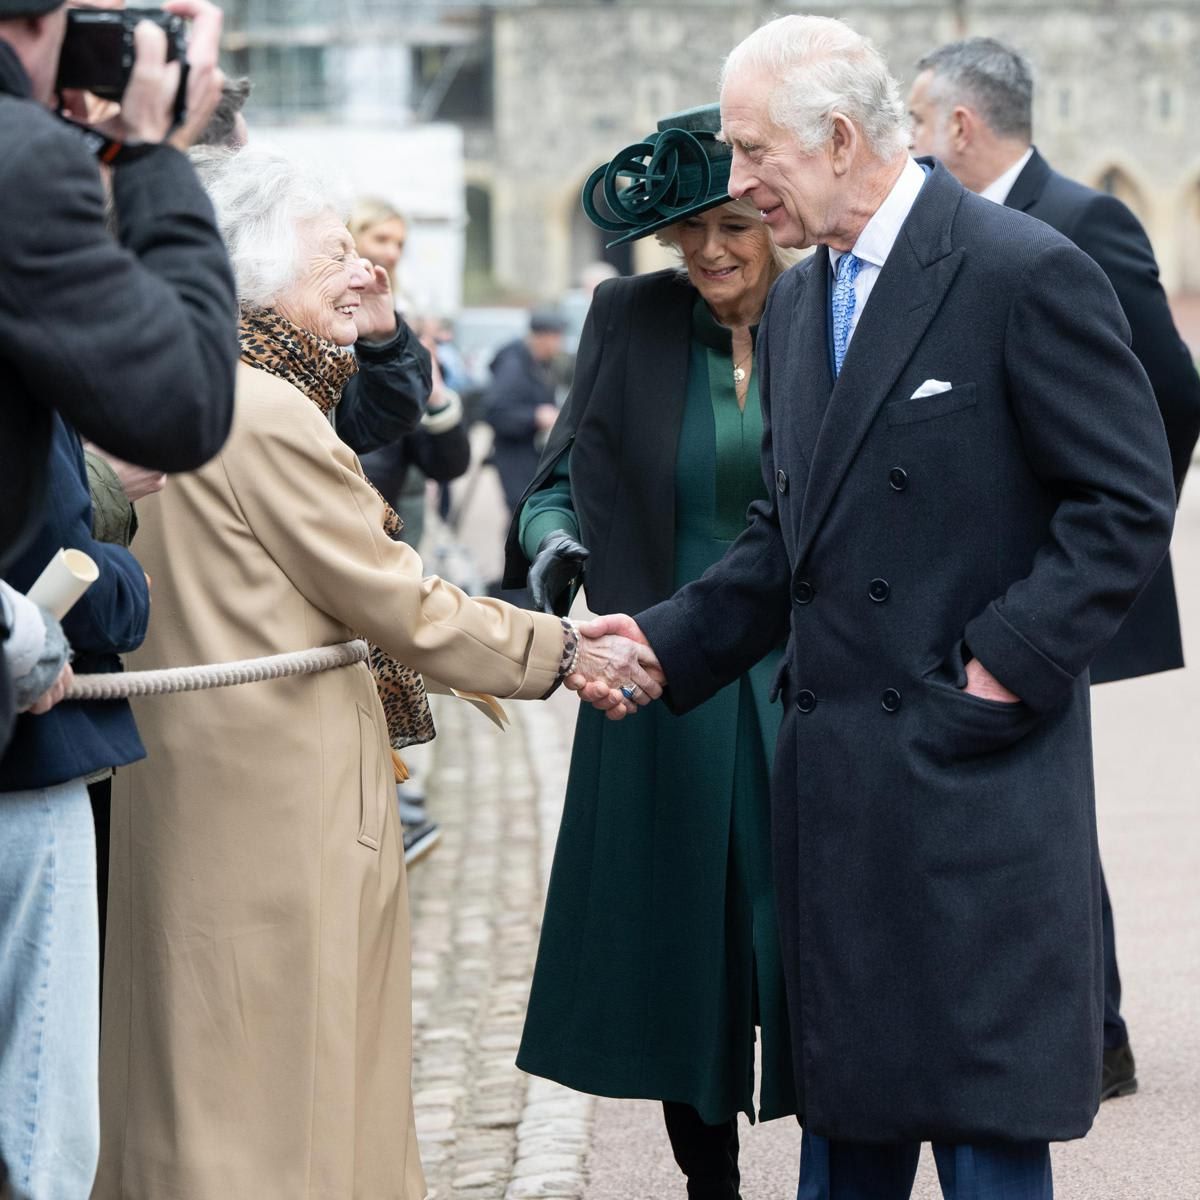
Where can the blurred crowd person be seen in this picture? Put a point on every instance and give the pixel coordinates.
(259, 841)
(521, 405)
(654, 971)
(971, 106)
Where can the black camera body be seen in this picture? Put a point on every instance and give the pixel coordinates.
(98, 50)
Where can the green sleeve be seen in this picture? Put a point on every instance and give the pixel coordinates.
(113, 518)
(549, 508)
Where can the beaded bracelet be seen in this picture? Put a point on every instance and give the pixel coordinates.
(570, 647)
(570, 653)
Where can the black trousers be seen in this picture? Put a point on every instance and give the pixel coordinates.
(706, 1154)
(100, 795)
(1115, 1032)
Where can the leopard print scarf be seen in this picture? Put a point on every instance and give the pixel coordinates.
(321, 370)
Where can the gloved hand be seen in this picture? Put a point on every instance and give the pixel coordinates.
(559, 561)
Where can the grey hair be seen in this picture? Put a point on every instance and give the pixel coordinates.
(747, 210)
(822, 67)
(260, 198)
(989, 76)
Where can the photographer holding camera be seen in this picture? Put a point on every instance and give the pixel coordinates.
(131, 336)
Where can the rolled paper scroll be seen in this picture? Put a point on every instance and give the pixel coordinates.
(67, 576)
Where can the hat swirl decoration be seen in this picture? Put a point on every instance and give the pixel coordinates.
(679, 170)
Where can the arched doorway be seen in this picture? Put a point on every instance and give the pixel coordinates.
(588, 243)
(1119, 183)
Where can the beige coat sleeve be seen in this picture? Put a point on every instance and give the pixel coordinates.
(303, 494)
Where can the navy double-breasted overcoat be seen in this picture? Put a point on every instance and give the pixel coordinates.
(935, 854)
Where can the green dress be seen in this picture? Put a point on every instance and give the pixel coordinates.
(659, 952)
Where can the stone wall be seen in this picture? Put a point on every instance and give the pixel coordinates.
(1118, 95)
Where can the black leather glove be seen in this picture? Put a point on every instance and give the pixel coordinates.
(557, 564)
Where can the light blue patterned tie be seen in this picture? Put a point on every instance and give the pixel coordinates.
(842, 307)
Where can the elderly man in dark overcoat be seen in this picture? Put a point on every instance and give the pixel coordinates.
(970, 485)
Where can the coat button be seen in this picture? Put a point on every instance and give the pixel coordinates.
(879, 590)
(890, 700)
(781, 480)
(803, 592)
(898, 478)
(806, 701)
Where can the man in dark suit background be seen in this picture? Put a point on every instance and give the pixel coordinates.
(972, 107)
(969, 487)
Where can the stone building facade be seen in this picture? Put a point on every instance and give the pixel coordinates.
(545, 90)
(1117, 105)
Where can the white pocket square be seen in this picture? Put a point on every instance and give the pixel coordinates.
(931, 387)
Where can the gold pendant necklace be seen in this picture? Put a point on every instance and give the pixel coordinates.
(739, 372)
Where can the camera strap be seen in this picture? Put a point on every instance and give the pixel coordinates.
(110, 151)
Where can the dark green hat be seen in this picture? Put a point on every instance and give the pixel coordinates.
(678, 170)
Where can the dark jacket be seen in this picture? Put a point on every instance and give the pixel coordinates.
(936, 866)
(385, 399)
(623, 487)
(1102, 227)
(519, 385)
(438, 456)
(134, 339)
(76, 738)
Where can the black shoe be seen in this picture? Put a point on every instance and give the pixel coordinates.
(1119, 1077)
(419, 840)
(411, 800)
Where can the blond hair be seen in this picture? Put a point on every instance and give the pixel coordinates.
(369, 211)
(745, 208)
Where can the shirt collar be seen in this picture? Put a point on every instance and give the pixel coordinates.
(881, 231)
(997, 191)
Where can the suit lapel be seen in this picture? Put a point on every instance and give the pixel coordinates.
(909, 291)
(659, 345)
(810, 343)
(658, 350)
(1028, 186)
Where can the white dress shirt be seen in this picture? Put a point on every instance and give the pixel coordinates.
(879, 236)
(997, 191)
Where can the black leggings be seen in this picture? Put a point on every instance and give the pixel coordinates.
(706, 1154)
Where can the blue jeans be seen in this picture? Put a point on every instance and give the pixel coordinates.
(49, 992)
(832, 1170)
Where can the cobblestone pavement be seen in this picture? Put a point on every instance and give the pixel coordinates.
(487, 1131)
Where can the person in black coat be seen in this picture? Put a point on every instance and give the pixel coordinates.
(969, 489)
(132, 337)
(520, 403)
(971, 106)
(49, 981)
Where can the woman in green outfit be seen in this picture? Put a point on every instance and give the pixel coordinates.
(659, 953)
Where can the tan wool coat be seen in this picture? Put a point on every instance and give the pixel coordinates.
(257, 1028)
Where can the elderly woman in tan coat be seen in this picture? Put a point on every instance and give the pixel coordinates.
(256, 1039)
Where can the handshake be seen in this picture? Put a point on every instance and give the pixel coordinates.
(615, 670)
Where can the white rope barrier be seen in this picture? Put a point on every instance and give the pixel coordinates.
(119, 686)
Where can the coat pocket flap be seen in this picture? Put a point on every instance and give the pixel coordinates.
(371, 786)
(925, 408)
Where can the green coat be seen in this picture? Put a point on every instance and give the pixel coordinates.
(659, 951)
